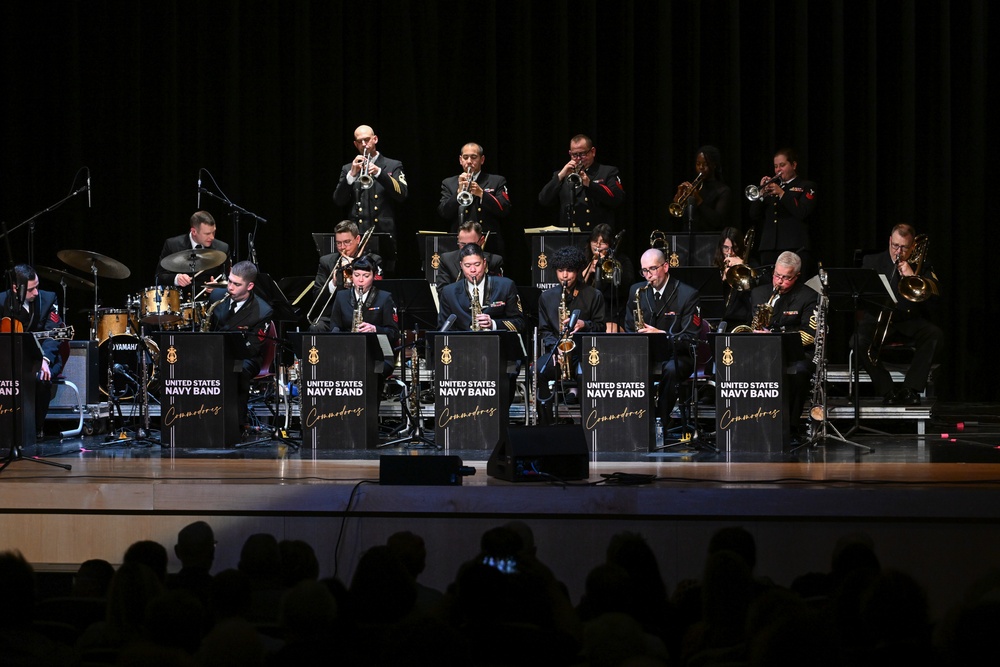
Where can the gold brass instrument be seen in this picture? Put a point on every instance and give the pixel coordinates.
(639, 323)
(761, 320)
(475, 309)
(205, 323)
(610, 266)
(343, 267)
(677, 208)
(566, 344)
(464, 195)
(918, 288)
(574, 178)
(915, 288)
(658, 240)
(358, 319)
(365, 177)
(756, 192)
(742, 277)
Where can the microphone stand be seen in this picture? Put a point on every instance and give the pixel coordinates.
(235, 211)
(414, 437)
(31, 221)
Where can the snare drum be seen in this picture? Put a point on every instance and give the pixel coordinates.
(112, 322)
(161, 305)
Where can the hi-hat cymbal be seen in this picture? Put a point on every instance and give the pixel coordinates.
(87, 261)
(213, 284)
(57, 276)
(192, 261)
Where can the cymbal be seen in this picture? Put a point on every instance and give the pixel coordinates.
(85, 260)
(191, 261)
(57, 276)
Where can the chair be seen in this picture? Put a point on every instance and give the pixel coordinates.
(702, 375)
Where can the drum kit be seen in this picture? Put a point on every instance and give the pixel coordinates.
(123, 346)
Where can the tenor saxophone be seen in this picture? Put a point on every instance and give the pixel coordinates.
(639, 323)
(207, 322)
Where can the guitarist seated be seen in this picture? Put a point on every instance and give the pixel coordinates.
(38, 313)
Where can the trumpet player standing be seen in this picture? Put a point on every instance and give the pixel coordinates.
(475, 196)
(909, 322)
(369, 186)
(666, 306)
(707, 205)
(782, 209)
(588, 192)
(554, 308)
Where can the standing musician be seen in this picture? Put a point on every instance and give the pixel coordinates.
(588, 192)
(485, 196)
(449, 271)
(237, 308)
(782, 212)
(708, 206)
(370, 185)
(38, 312)
(794, 305)
(613, 285)
(201, 235)
(499, 303)
(667, 306)
(909, 323)
(572, 293)
(729, 252)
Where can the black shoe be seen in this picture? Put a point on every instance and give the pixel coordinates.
(907, 396)
(889, 398)
(571, 398)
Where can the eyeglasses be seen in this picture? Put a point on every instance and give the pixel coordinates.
(899, 248)
(651, 270)
(579, 156)
(786, 279)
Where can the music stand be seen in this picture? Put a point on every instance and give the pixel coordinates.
(849, 290)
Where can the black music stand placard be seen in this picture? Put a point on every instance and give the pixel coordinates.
(432, 245)
(199, 387)
(543, 245)
(691, 248)
(339, 389)
(471, 387)
(616, 406)
(17, 387)
(751, 391)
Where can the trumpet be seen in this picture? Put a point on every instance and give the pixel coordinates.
(740, 276)
(574, 178)
(365, 178)
(756, 192)
(464, 195)
(677, 208)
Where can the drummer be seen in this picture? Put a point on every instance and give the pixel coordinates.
(202, 235)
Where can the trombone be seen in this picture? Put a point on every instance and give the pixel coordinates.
(658, 240)
(365, 178)
(677, 208)
(756, 192)
(464, 195)
(740, 276)
(342, 266)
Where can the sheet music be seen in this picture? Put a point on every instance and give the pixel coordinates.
(888, 288)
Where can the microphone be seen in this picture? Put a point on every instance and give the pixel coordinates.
(199, 191)
(22, 292)
(574, 316)
(449, 322)
(121, 370)
(88, 187)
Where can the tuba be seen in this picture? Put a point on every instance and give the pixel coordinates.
(677, 208)
(761, 319)
(566, 344)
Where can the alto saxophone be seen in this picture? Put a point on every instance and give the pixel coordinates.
(761, 320)
(639, 323)
(358, 319)
(207, 322)
(476, 309)
(565, 345)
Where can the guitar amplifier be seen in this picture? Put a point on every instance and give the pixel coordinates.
(80, 369)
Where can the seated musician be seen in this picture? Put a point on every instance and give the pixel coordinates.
(554, 308)
(613, 286)
(910, 322)
(668, 306)
(201, 235)
(794, 310)
(39, 312)
(469, 232)
(347, 239)
(729, 252)
(499, 305)
(237, 308)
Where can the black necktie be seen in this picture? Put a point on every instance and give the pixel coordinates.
(657, 299)
(232, 308)
(198, 246)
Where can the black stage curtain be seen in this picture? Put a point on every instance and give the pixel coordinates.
(886, 102)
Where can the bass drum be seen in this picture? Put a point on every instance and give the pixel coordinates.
(128, 352)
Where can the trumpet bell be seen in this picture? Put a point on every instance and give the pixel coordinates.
(366, 181)
(753, 193)
(465, 198)
(676, 210)
(574, 179)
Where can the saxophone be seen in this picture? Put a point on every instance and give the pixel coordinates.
(207, 321)
(817, 411)
(761, 319)
(565, 344)
(476, 309)
(639, 323)
(358, 319)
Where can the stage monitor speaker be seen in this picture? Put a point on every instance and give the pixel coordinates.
(80, 369)
(426, 470)
(541, 453)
